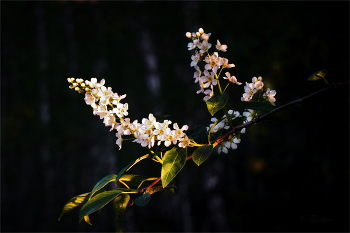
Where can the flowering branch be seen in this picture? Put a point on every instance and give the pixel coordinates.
(168, 144)
(262, 117)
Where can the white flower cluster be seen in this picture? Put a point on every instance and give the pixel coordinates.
(255, 86)
(208, 78)
(224, 124)
(106, 104)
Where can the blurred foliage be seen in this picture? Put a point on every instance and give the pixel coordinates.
(53, 147)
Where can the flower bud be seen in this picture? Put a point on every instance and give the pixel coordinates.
(201, 31)
(188, 35)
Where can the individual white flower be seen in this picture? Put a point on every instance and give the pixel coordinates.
(193, 44)
(184, 142)
(223, 147)
(208, 79)
(150, 122)
(197, 74)
(221, 47)
(105, 95)
(89, 99)
(232, 79)
(170, 138)
(121, 110)
(179, 132)
(270, 96)
(204, 46)
(195, 59)
(211, 61)
(249, 115)
(225, 63)
(250, 90)
(233, 142)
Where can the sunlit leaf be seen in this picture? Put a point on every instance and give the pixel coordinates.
(173, 162)
(103, 182)
(202, 153)
(263, 106)
(132, 163)
(98, 201)
(119, 205)
(216, 103)
(74, 202)
(87, 220)
(143, 200)
(318, 75)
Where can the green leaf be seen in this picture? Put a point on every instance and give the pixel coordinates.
(216, 103)
(103, 182)
(132, 163)
(98, 201)
(143, 200)
(173, 161)
(263, 106)
(318, 75)
(202, 153)
(119, 205)
(74, 202)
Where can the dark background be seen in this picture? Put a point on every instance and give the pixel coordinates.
(285, 175)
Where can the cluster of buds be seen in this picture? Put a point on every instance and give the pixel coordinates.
(106, 104)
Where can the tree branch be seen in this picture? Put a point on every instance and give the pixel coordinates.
(262, 117)
(257, 119)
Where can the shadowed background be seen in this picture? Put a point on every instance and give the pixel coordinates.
(288, 175)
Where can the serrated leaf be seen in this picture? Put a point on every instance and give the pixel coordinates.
(263, 106)
(216, 103)
(119, 205)
(143, 200)
(318, 75)
(173, 161)
(74, 202)
(132, 163)
(202, 153)
(98, 201)
(87, 220)
(103, 182)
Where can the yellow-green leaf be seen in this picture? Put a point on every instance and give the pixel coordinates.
(74, 202)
